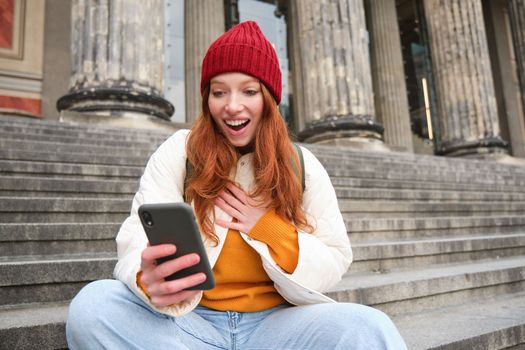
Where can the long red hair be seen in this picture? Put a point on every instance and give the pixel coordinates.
(274, 162)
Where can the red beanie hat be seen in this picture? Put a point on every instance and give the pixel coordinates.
(244, 49)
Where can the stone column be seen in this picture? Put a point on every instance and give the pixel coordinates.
(461, 64)
(331, 42)
(390, 94)
(203, 23)
(117, 59)
(517, 122)
(297, 92)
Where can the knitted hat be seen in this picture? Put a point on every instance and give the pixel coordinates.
(244, 49)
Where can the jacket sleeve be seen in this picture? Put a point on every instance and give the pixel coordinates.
(325, 254)
(162, 182)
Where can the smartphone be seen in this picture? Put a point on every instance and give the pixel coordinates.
(174, 223)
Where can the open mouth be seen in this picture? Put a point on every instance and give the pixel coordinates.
(237, 124)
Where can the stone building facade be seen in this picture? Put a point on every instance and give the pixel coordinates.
(437, 76)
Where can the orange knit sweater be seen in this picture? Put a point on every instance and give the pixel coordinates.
(241, 284)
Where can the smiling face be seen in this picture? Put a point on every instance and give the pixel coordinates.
(236, 105)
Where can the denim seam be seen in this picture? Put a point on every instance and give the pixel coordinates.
(205, 340)
(233, 320)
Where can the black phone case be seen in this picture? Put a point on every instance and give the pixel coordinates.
(174, 223)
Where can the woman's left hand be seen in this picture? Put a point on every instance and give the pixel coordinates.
(235, 202)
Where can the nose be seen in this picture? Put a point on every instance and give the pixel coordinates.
(234, 104)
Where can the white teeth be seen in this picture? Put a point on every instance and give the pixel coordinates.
(236, 122)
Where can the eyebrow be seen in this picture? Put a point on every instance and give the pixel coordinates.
(250, 80)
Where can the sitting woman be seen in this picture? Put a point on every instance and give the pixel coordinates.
(274, 248)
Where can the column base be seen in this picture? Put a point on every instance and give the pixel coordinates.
(120, 119)
(358, 132)
(117, 96)
(481, 149)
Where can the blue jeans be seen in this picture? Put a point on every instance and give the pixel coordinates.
(106, 314)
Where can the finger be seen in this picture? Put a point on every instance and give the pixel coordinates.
(171, 292)
(151, 253)
(231, 200)
(157, 274)
(237, 192)
(166, 300)
(231, 225)
(228, 209)
(180, 284)
(170, 267)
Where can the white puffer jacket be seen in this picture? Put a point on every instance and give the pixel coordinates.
(324, 255)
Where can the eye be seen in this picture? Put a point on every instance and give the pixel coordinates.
(251, 92)
(217, 93)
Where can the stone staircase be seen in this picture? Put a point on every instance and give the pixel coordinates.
(439, 243)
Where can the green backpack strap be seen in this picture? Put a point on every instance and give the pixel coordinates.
(189, 170)
(301, 160)
(189, 174)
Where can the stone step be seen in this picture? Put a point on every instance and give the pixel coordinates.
(355, 162)
(122, 156)
(52, 127)
(410, 159)
(389, 160)
(109, 158)
(85, 195)
(426, 176)
(75, 158)
(444, 170)
(23, 186)
(328, 152)
(26, 239)
(9, 168)
(418, 289)
(497, 323)
(50, 278)
(381, 229)
(33, 326)
(26, 209)
(381, 208)
(41, 209)
(55, 147)
(69, 170)
(386, 256)
(132, 173)
(30, 135)
(29, 176)
(45, 186)
(421, 164)
(425, 195)
(359, 181)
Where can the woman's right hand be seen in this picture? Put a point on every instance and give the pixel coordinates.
(162, 292)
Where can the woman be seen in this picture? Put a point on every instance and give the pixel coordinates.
(274, 248)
